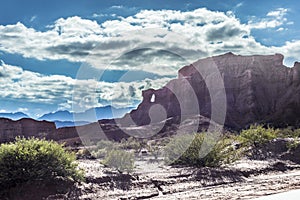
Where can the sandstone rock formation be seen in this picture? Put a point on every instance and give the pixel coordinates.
(259, 89)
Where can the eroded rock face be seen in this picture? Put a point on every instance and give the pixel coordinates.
(259, 89)
(9, 129)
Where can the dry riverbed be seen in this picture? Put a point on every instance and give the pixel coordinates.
(245, 179)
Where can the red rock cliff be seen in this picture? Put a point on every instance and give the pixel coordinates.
(259, 89)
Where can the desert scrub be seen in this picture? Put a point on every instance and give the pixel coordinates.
(83, 153)
(289, 133)
(102, 147)
(120, 160)
(106, 144)
(190, 149)
(35, 159)
(257, 135)
(293, 135)
(228, 149)
(132, 143)
(155, 151)
(293, 143)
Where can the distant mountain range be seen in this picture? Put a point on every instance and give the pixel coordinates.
(14, 116)
(90, 115)
(66, 118)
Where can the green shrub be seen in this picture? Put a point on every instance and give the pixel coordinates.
(186, 150)
(293, 134)
(173, 151)
(131, 143)
(102, 147)
(296, 133)
(293, 144)
(106, 144)
(99, 153)
(289, 133)
(155, 151)
(120, 160)
(35, 159)
(83, 153)
(257, 135)
(225, 150)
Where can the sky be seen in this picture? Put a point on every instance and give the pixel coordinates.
(79, 54)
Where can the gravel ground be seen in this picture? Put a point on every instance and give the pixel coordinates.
(245, 179)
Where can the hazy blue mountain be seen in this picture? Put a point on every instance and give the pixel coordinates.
(14, 116)
(57, 116)
(90, 115)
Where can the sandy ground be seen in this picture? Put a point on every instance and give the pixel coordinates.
(291, 195)
(243, 180)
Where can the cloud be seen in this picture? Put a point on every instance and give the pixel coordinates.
(117, 7)
(278, 13)
(154, 41)
(33, 18)
(239, 5)
(281, 29)
(113, 44)
(273, 19)
(67, 93)
(100, 15)
(23, 110)
(224, 31)
(291, 49)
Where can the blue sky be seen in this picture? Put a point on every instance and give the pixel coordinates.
(75, 54)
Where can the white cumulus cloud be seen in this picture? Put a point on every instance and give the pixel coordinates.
(67, 93)
(273, 19)
(189, 34)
